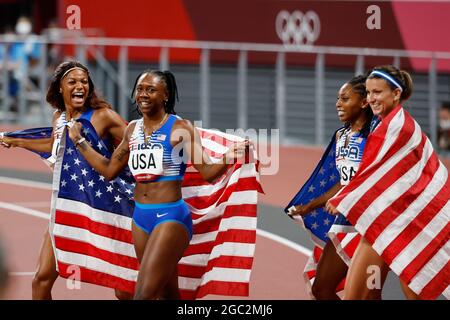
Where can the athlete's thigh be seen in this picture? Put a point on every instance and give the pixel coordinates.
(367, 272)
(164, 249)
(46, 264)
(331, 269)
(140, 239)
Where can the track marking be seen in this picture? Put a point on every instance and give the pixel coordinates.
(20, 209)
(284, 241)
(33, 204)
(26, 183)
(21, 274)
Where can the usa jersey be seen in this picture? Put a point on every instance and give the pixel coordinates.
(348, 157)
(154, 159)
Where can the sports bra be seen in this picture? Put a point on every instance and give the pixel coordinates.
(349, 157)
(155, 159)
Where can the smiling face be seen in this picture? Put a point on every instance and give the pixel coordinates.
(150, 94)
(381, 97)
(75, 88)
(349, 104)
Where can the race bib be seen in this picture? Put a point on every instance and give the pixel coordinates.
(347, 170)
(146, 164)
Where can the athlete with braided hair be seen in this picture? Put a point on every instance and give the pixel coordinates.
(156, 147)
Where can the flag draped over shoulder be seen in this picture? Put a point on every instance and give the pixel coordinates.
(399, 201)
(91, 220)
(318, 222)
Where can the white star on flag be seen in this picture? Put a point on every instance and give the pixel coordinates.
(81, 187)
(117, 199)
(98, 193)
(74, 177)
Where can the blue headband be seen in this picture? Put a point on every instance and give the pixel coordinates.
(387, 77)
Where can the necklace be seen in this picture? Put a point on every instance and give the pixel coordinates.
(347, 135)
(158, 126)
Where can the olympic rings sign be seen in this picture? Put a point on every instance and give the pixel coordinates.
(298, 28)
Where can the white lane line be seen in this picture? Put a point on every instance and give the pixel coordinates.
(43, 215)
(21, 274)
(20, 209)
(284, 241)
(33, 204)
(26, 183)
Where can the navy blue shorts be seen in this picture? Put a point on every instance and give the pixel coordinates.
(148, 215)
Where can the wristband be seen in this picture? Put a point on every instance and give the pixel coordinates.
(80, 141)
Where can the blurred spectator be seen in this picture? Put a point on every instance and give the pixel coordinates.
(54, 33)
(444, 127)
(23, 55)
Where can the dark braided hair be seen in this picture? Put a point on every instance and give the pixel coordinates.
(358, 84)
(171, 85)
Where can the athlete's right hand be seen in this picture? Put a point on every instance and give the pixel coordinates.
(75, 131)
(5, 141)
(299, 210)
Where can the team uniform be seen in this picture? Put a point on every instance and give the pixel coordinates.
(154, 159)
(348, 158)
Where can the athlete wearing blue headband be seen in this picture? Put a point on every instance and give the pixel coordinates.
(389, 87)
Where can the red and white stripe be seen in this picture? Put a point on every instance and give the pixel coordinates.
(399, 201)
(97, 243)
(220, 256)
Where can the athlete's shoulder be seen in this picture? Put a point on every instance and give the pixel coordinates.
(182, 123)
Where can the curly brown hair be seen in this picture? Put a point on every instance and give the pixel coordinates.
(54, 97)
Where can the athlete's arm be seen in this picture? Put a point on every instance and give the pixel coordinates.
(109, 168)
(184, 132)
(38, 145)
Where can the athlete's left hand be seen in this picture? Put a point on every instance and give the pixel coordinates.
(331, 209)
(74, 131)
(238, 150)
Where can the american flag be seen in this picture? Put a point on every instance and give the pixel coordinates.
(399, 201)
(319, 221)
(220, 255)
(91, 221)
